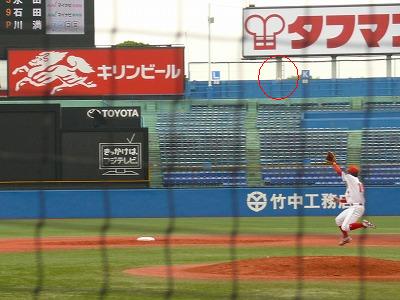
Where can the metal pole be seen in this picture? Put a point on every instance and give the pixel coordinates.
(279, 68)
(334, 68)
(388, 65)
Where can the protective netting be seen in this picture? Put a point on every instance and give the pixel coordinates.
(215, 142)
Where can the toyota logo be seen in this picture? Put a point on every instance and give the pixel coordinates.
(92, 112)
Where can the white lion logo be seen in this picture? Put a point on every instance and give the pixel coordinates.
(43, 69)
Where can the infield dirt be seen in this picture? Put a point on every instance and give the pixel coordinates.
(267, 268)
(70, 243)
(284, 268)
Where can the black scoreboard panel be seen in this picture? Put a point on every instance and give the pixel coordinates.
(105, 155)
(46, 24)
(34, 150)
(29, 142)
(22, 16)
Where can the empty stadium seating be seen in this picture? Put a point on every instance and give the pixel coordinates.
(298, 153)
(301, 175)
(382, 106)
(278, 116)
(380, 159)
(209, 178)
(204, 146)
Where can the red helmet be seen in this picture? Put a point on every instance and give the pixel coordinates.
(353, 170)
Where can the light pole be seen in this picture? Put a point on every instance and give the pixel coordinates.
(210, 21)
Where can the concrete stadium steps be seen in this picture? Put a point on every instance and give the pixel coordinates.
(354, 147)
(252, 147)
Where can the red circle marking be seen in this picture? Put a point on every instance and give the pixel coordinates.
(297, 81)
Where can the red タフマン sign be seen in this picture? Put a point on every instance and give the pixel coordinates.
(321, 30)
(96, 72)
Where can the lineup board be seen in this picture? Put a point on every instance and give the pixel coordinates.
(18, 17)
(46, 24)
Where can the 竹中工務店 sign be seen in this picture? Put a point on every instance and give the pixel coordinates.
(321, 30)
(95, 72)
(22, 16)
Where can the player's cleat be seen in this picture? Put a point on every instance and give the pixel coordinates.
(368, 224)
(345, 241)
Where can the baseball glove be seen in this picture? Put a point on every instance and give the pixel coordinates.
(330, 157)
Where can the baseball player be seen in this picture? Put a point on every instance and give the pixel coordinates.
(354, 197)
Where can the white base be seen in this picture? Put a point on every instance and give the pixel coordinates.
(146, 239)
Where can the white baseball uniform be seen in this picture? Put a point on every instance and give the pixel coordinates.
(355, 199)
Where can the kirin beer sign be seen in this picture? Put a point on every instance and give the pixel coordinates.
(96, 72)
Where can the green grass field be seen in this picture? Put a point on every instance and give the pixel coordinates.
(80, 274)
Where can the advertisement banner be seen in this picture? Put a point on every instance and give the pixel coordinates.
(76, 118)
(189, 203)
(96, 72)
(105, 154)
(321, 30)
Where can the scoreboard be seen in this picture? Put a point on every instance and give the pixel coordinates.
(22, 16)
(45, 24)
(35, 149)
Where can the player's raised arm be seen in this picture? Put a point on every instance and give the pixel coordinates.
(337, 168)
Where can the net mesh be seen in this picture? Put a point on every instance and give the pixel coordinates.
(109, 239)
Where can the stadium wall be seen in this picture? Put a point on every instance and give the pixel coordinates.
(223, 202)
(351, 120)
(315, 88)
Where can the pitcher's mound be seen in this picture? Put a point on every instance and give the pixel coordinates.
(283, 268)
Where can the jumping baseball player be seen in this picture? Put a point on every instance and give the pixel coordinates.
(354, 197)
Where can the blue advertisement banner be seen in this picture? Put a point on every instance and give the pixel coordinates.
(164, 203)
